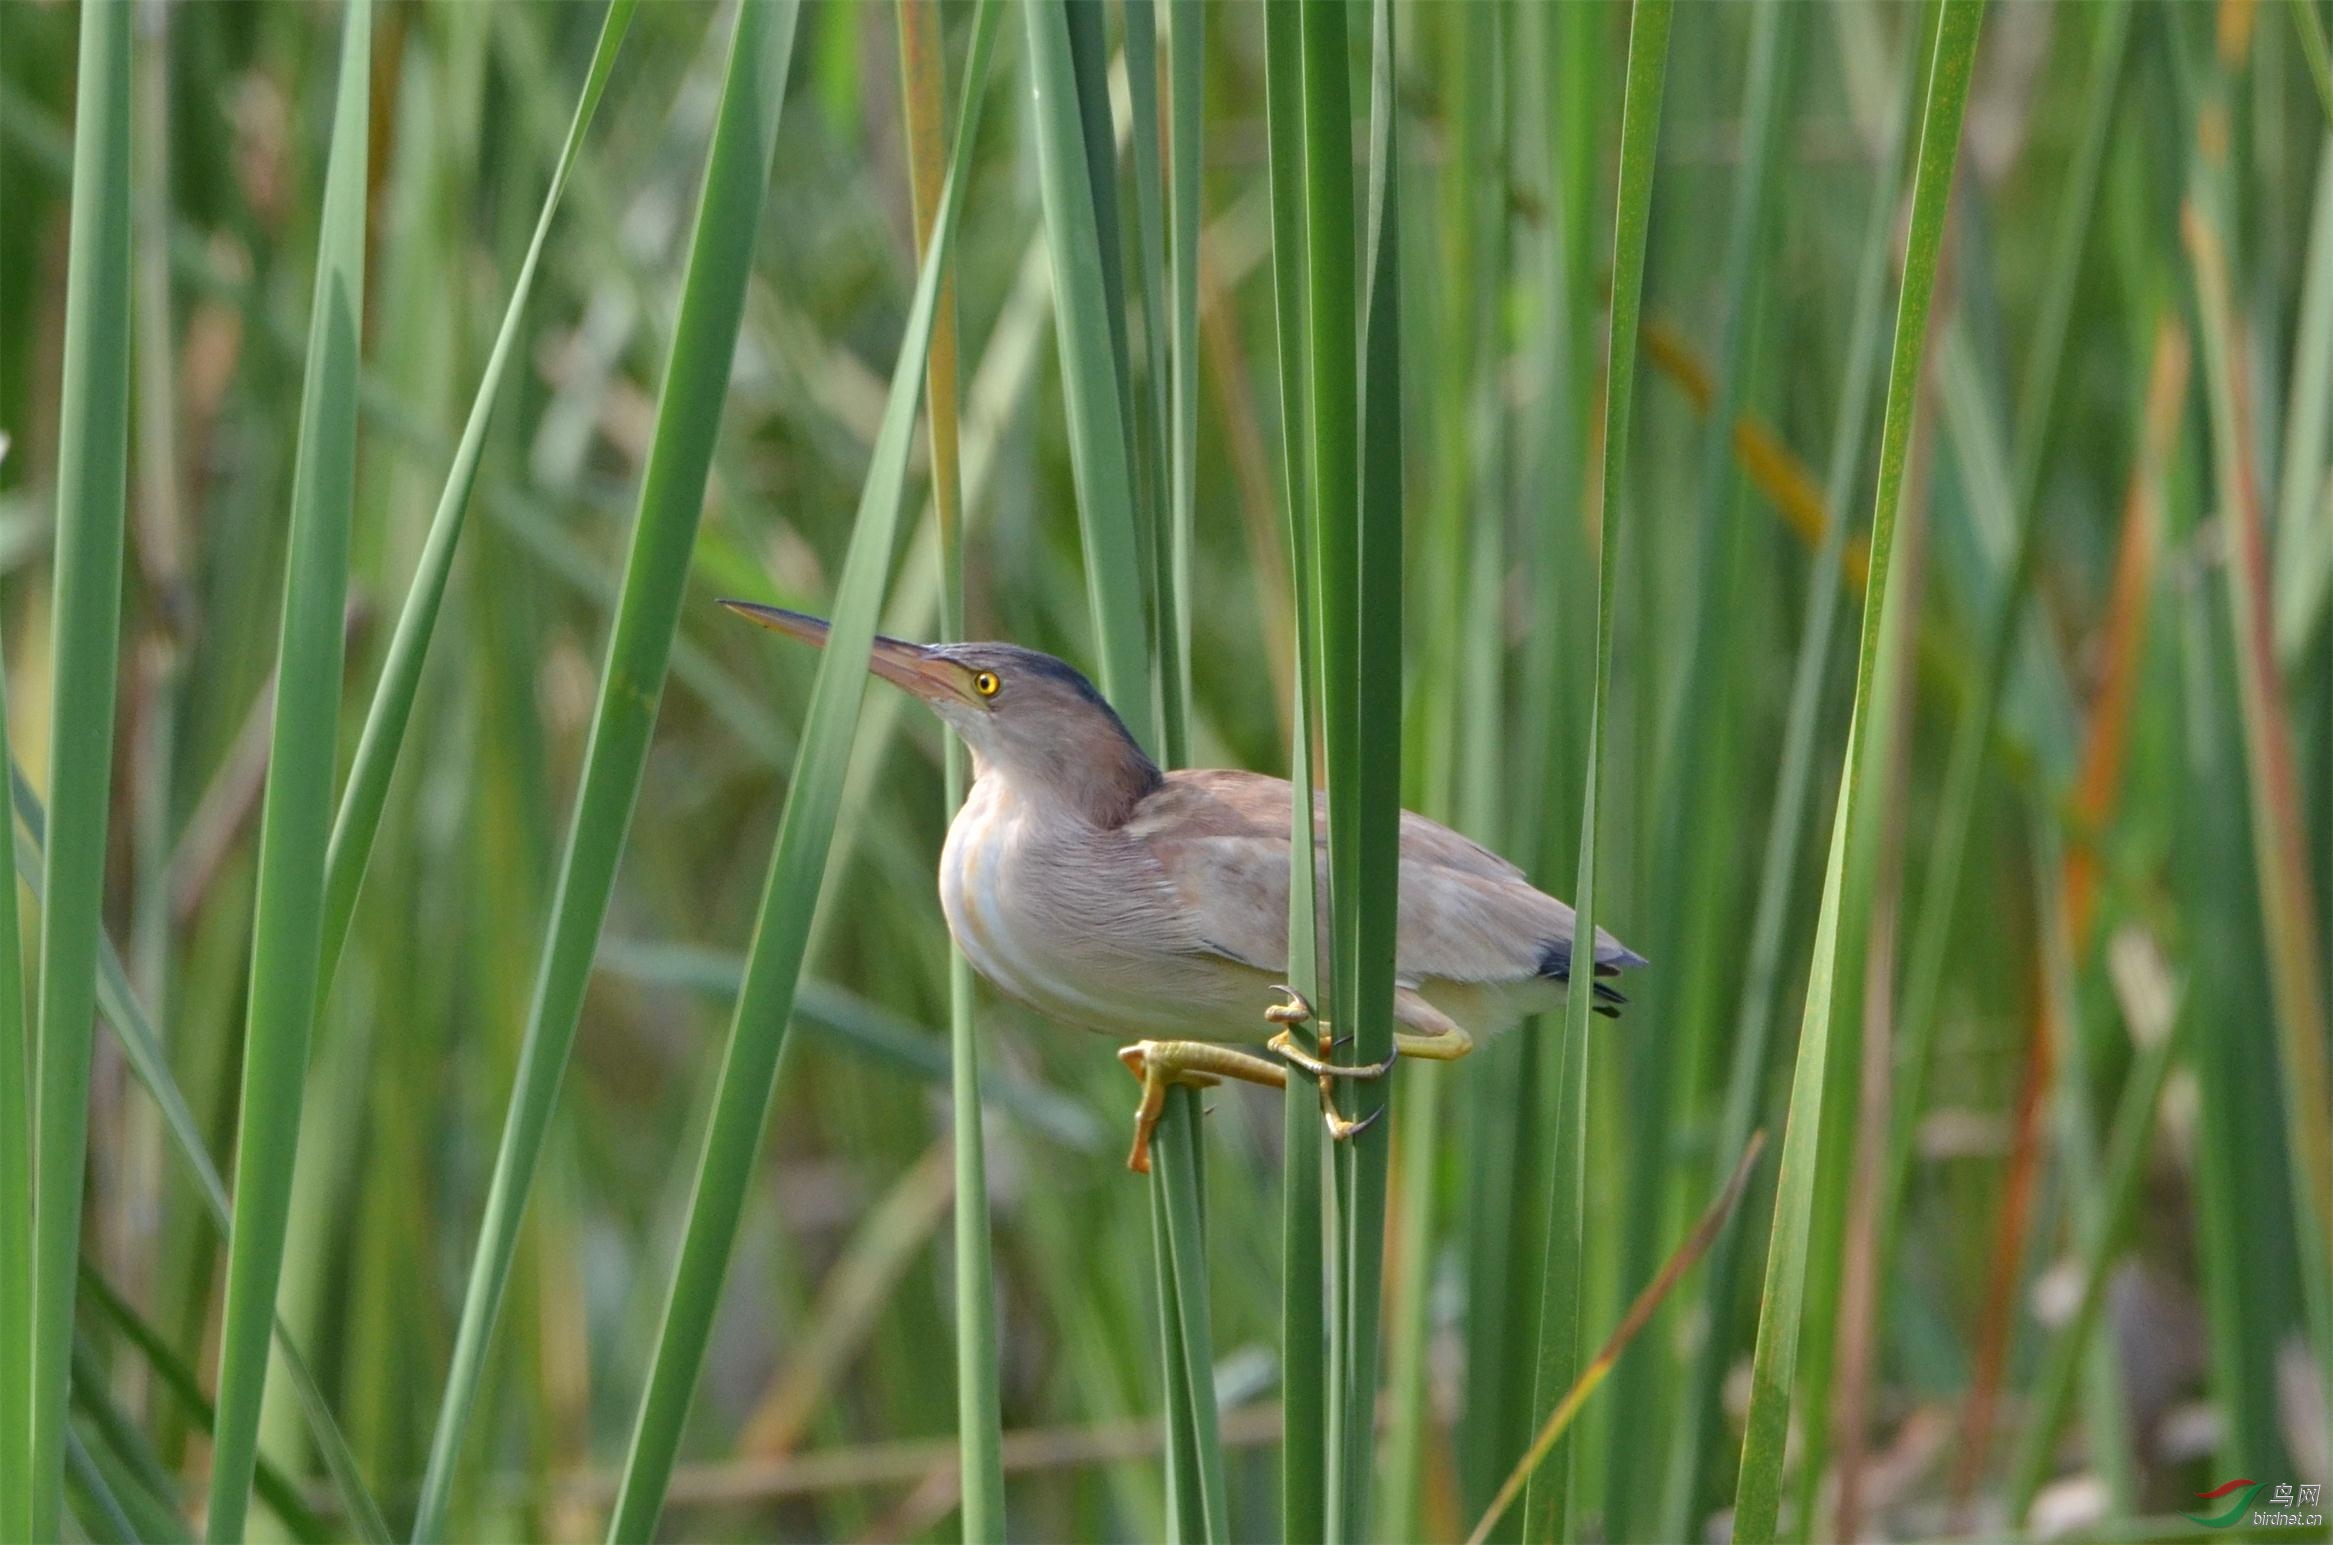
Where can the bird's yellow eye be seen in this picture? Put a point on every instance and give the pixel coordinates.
(985, 683)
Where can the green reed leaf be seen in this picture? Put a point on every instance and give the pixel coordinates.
(361, 803)
(1782, 1303)
(1304, 1283)
(141, 1045)
(672, 496)
(1547, 1501)
(797, 870)
(979, 1432)
(92, 457)
(1087, 320)
(295, 820)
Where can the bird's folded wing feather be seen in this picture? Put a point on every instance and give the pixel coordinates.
(1220, 840)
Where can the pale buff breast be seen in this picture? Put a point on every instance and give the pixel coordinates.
(1078, 924)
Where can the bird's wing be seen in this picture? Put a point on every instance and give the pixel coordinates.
(1221, 841)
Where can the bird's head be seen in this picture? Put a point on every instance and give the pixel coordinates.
(1027, 716)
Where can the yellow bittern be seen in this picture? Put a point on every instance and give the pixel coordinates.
(1152, 906)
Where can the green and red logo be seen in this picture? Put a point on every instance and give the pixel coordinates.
(2235, 1514)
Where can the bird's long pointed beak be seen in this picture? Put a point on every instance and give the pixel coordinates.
(928, 675)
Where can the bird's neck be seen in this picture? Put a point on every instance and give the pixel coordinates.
(1098, 792)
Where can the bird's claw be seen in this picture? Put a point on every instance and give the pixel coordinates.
(1296, 1011)
(1344, 1130)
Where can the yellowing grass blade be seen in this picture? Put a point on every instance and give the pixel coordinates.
(1680, 1261)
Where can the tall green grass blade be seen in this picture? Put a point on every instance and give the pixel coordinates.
(1931, 951)
(1304, 1281)
(1758, 1496)
(92, 454)
(1747, 1077)
(737, 166)
(979, 1433)
(1547, 1501)
(359, 818)
(133, 1027)
(1192, 1396)
(16, 1183)
(1077, 183)
(1149, 426)
(1185, 1499)
(1089, 58)
(171, 1372)
(1360, 713)
(1695, 836)
(295, 820)
(1363, 645)
(1087, 321)
(1186, 105)
(797, 869)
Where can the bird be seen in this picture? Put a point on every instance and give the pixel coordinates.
(1088, 884)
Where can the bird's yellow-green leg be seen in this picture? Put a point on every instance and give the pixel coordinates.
(1200, 1064)
(1442, 1046)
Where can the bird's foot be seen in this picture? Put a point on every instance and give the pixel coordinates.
(1316, 1065)
(1161, 1065)
(1319, 1067)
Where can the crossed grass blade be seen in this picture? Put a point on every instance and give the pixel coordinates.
(118, 1005)
(737, 166)
(797, 870)
(1640, 1313)
(270, 1484)
(1758, 1496)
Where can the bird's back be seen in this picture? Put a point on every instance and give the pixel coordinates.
(1467, 916)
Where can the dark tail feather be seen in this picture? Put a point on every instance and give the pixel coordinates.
(1555, 963)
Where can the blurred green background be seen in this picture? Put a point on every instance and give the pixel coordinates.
(2070, 1063)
